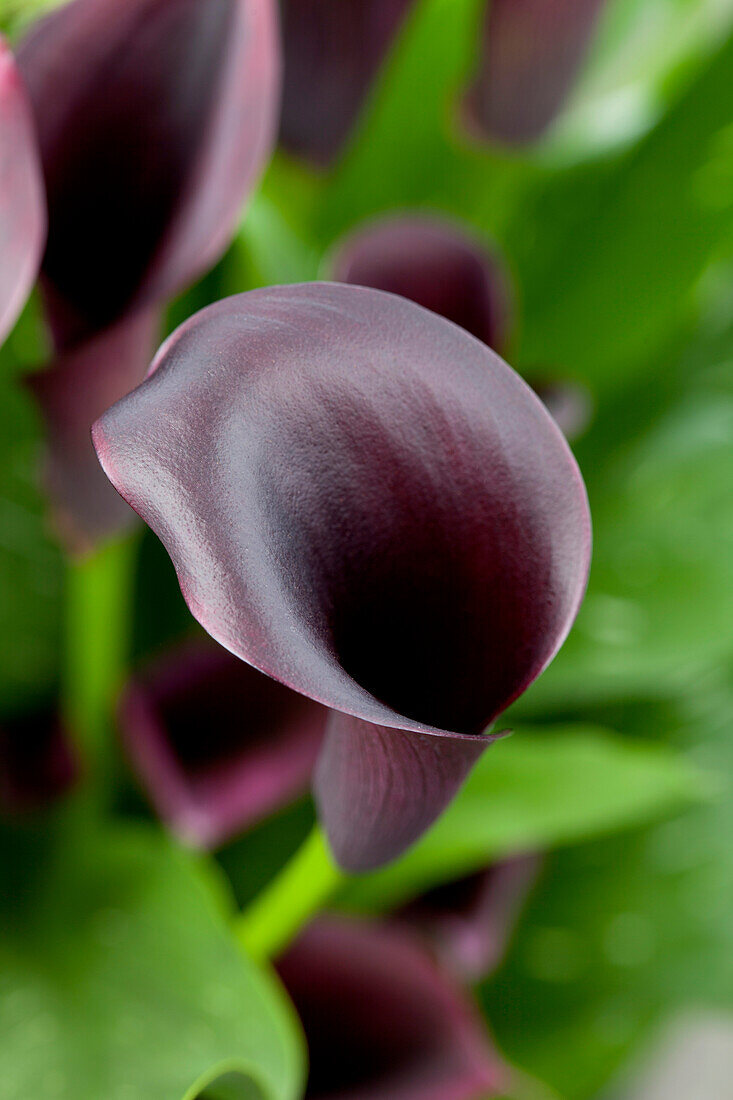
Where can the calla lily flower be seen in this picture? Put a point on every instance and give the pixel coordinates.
(363, 501)
(531, 53)
(332, 52)
(216, 744)
(436, 263)
(37, 762)
(22, 205)
(382, 1022)
(469, 921)
(154, 122)
(433, 262)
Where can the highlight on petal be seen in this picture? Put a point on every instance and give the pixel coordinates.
(37, 762)
(22, 204)
(469, 921)
(531, 53)
(382, 1022)
(332, 51)
(216, 744)
(434, 262)
(70, 393)
(154, 121)
(365, 502)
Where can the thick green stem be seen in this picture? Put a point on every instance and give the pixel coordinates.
(300, 890)
(98, 603)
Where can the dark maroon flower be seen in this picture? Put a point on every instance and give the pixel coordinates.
(531, 53)
(216, 744)
(22, 206)
(154, 118)
(37, 763)
(332, 51)
(382, 1022)
(434, 262)
(365, 502)
(469, 921)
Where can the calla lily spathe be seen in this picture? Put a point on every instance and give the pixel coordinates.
(22, 203)
(216, 744)
(382, 1022)
(366, 503)
(154, 120)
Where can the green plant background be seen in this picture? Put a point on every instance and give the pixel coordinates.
(118, 970)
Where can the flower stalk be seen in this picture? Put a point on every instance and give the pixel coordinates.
(297, 893)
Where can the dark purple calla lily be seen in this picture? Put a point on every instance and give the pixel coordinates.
(382, 1022)
(217, 745)
(22, 204)
(530, 56)
(37, 763)
(155, 118)
(469, 921)
(365, 502)
(434, 262)
(332, 51)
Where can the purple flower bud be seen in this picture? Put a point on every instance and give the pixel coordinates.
(365, 502)
(216, 744)
(37, 763)
(469, 921)
(382, 1022)
(155, 118)
(433, 262)
(22, 205)
(531, 53)
(332, 52)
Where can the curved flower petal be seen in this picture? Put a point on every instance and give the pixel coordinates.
(470, 920)
(70, 394)
(378, 789)
(361, 500)
(433, 262)
(382, 1022)
(22, 206)
(154, 120)
(531, 53)
(332, 52)
(217, 745)
(37, 763)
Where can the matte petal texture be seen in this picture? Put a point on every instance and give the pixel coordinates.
(22, 203)
(71, 392)
(37, 763)
(432, 262)
(378, 789)
(382, 1022)
(531, 53)
(469, 921)
(216, 744)
(361, 500)
(332, 53)
(155, 118)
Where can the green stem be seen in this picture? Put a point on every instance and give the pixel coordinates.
(97, 640)
(297, 893)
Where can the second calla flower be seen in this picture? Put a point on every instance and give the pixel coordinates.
(365, 502)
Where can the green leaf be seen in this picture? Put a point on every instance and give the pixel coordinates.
(118, 979)
(533, 791)
(625, 932)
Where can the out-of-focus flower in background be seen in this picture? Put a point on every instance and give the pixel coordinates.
(37, 761)
(332, 51)
(382, 1022)
(154, 122)
(531, 53)
(366, 503)
(216, 744)
(22, 204)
